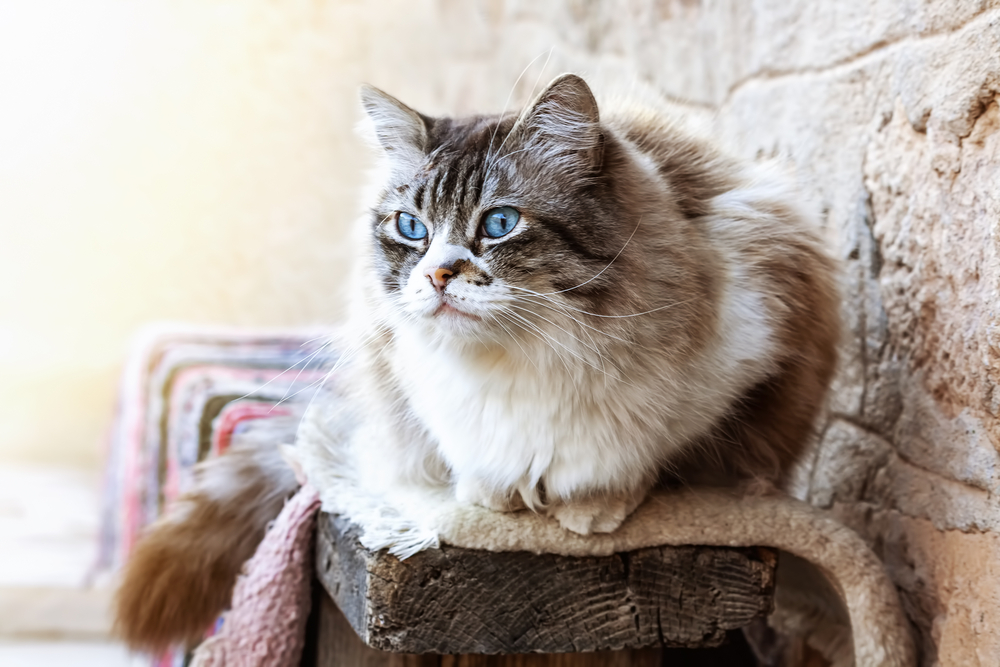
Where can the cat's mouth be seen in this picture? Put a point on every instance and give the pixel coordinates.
(448, 310)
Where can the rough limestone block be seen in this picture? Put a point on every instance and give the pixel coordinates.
(848, 461)
(453, 600)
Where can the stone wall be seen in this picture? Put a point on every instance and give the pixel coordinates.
(901, 140)
(889, 113)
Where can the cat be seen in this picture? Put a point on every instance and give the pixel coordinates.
(554, 309)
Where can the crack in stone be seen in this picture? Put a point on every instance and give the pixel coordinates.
(853, 421)
(848, 61)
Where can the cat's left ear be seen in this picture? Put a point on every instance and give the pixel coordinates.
(562, 126)
(401, 131)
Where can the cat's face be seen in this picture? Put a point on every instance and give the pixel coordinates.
(491, 226)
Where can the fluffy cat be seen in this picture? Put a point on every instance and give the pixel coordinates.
(554, 309)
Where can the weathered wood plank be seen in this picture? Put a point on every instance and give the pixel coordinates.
(463, 601)
(337, 645)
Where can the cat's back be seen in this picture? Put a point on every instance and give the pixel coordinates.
(769, 257)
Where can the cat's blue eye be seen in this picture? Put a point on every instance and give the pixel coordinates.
(410, 227)
(500, 221)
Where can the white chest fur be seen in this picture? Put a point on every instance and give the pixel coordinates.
(503, 423)
(506, 424)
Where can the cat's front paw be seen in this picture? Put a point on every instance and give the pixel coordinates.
(474, 493)
(594, 515)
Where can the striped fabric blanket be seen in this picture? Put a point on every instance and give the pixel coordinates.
(185, 393)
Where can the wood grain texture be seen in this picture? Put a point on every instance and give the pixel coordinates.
(463, 601)
(336, 644)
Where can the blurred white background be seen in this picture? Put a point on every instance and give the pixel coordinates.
(185, 160)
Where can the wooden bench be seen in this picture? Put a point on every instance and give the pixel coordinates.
(453, 606)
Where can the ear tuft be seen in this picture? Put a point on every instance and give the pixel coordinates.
(401, 131)
(564, 122)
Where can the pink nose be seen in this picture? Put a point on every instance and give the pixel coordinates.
(439, 277)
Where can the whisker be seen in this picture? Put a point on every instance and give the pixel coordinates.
(645, 312)
(621, 377)
(491, 163)
(538, 333)
(585, 312)
(507, 155)
(513, 338)
(594, 348)
(384, 220)
(555, 340)
(304, 361)
(552, 304)
(313, 340)
(341, 360)
(629, 239)
(507, 103)
(306, 388)
(593, 344)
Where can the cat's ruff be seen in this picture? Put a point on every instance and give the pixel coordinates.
(408, 520)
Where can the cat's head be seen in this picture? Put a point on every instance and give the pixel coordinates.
(493, 227)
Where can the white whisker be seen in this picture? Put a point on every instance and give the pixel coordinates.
(555, 340)
(304, 365)
(507, 103)
(343, 358)
(593, 344)
(552, 304)
(585, 312)
(304, 361)
(514, 338)
(491, 163)
(629, 239)
(538, 333)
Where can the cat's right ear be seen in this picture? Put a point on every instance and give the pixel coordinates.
(399, 130)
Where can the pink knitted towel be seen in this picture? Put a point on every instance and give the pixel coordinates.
(266, 625)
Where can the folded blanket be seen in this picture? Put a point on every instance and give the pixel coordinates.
(177, 380)
(185, 393)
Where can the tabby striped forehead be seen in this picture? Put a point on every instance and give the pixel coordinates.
(457, 174)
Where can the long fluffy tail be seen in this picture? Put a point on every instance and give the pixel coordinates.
(181, 574)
